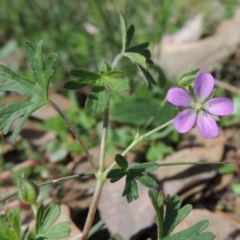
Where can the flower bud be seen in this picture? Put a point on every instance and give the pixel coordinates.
(28, 190)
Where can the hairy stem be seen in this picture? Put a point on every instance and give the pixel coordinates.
(100, 177)
(76, 134)
(104, 134)
(116, 61)
(137, 140)
(93, 208)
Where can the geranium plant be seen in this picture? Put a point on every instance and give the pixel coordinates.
(196, 106)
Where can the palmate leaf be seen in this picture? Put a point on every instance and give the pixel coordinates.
(173, 215)
(106, 78)
(133, 174)
(45, 220)
(11, 230)
(138, 54)
(35, 90)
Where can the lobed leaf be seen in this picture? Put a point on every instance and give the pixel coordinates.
(35, 90)
(173, 205)
(58, 231)
(15, 222)
(50, 216)
(117, 85)
(158, 204)
(115, 174)
(130, 189)
(97, 98)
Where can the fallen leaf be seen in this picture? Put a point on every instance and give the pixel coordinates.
(190, 32)
(206, 54)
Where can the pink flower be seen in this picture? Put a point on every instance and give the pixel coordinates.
(199, 107)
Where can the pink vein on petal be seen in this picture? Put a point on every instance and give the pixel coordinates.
(207, 125)
(185, 120)
(179, 97)
(203, 85)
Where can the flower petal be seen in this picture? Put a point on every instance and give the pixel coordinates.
(185, 120)
(221, 106)
(179, 97)
(207, 125)
(203, 85)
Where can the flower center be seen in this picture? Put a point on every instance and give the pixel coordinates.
(196, 106)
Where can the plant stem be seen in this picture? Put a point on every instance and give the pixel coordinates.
(156, 130)
(149, 121)
(137, 140)
(76, 134)
(101, 178)
(50, 182)
(104, 133)
(93, 208)
(116, 61)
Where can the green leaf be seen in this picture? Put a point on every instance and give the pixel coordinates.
(147, 181)
(58, 231)
(173, 205)
(146, 167)
(15, 221)
(106, 79)
(26, 234)
(136, 58)
(39, 217)
(130, 33)
(83, 74)
(130, 189)
(115, 174)
(192, 233)
(123, 26)
(147, 76)
(35, 90)
(85, 78)
(207, 236)
(11, 230)
(114, 83)
(173, 216)
(97, 98)
(121, 161)
(138, 48)
(187, 79)
(50, 216)
(158, 204)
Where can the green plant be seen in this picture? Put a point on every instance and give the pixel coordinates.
(107, 80)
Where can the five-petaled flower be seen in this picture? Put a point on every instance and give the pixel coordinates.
(199, 107)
